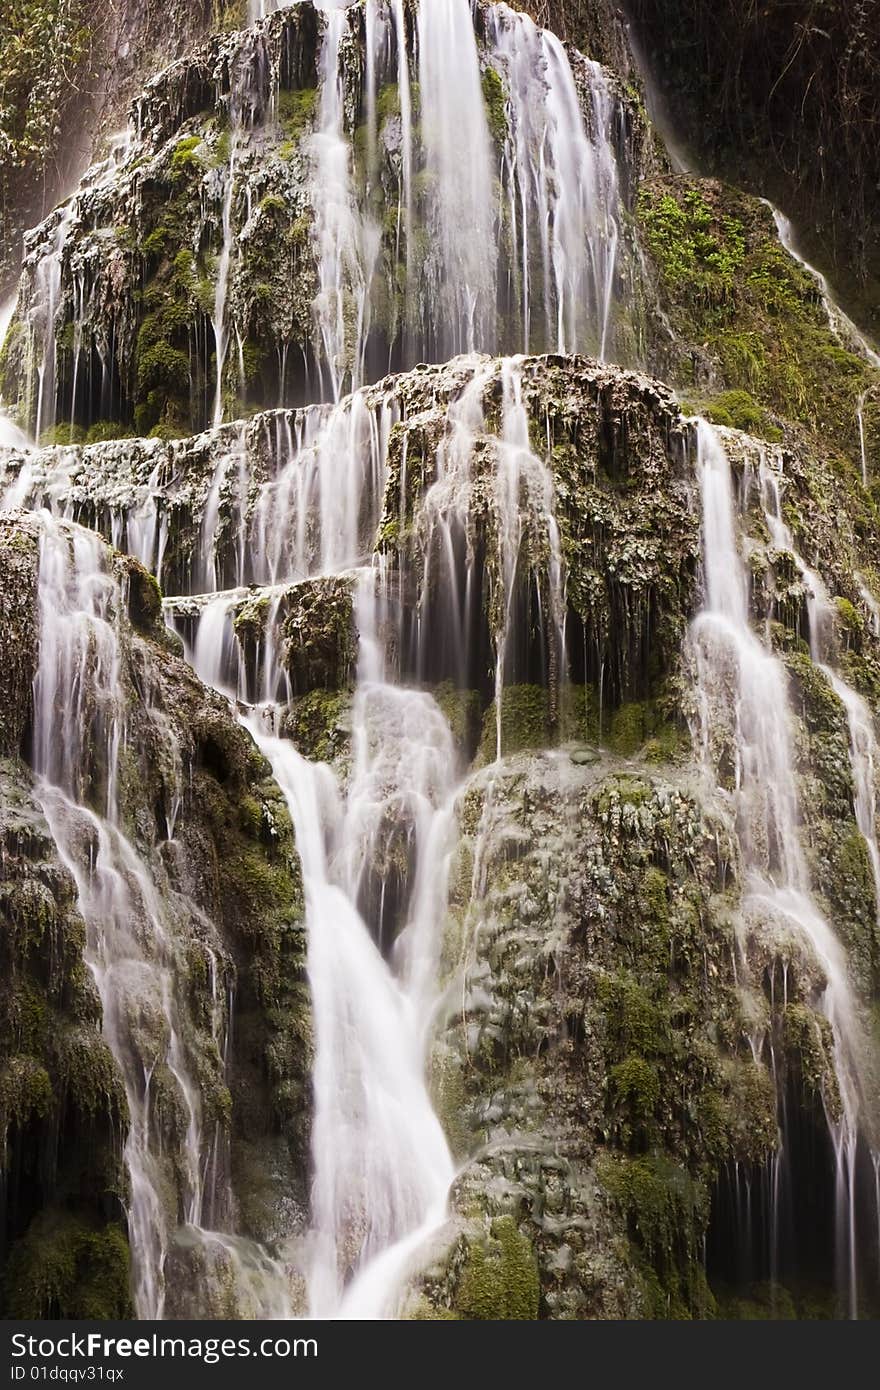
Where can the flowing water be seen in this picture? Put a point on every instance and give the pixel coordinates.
(562, 185)
(219, 321)
(79, 730)
(848, 333)
(347, 242)
(728, 654)
(507, 232)
(461, 268)
(375, 848)
(518, 246)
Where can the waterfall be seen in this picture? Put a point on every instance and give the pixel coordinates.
(221, 291)
(376, 848)
(78, 732)
(519, 469)
(846, 332)
(864, 748)
(418, 254)
(43, 324)
(11, 437)
(127, 949)
(347, 243)
(381, 1163)
(562, 186)
(461, 270)
(454, 189)
(730, 661)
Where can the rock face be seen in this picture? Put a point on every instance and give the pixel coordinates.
(201, 241)
(203, 820)
(782, 132)
(264, 566)
(69, 73)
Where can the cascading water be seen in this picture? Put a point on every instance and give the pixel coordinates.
(347, 243)
(376, 852)
(461, 271)
(43, 326)
(520, 246)
(844, 329)
(382, 1165)
(847, 333)
(562, 186)
(78, 732)
(499, 152)
(729, 657)
(219, 321)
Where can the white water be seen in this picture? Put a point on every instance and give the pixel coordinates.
(461, 269)
(219, 321)
(79, 728)
(530, 224)
(259, 9)
(42, 325)
(562, 186)
(382, 1167)
(870, 603)
(320, 513)
(347, 242)
(864, 748)
(375, 850)
(848, 334)
(729, 659)
(525, 497)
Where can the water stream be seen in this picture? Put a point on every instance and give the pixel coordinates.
(507, 153)
(766, 799)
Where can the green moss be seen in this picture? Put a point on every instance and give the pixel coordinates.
(104, 430)
(579, 713)
(665, 1211)
(635, 1023)
(155, 242)
(163, 366)
(849, 619)
(318, 724)
(296, 110)
(64, 1267)
(635, 1085)
(738, 410)
(62, 434)
(461, 709)
(495, 99)
(499, 1279)
(185, 160)
(25, 1091)
(734, 293)
(45, 48)
(387, 101)
(628, 728)
(810, 1048)
(230, 15)
(698, 250)
(144, 600)
(524, 722)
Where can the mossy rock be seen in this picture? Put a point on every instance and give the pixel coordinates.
(63, 1267)
(759, 331)
(499, 1277)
